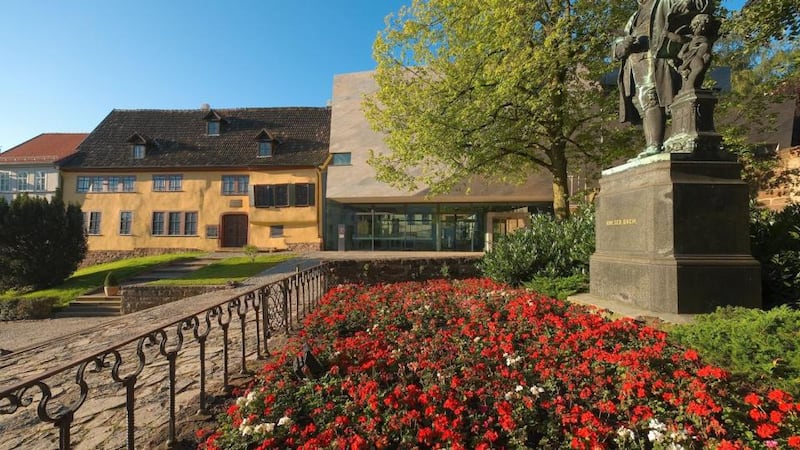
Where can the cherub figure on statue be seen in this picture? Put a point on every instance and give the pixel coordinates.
(695, 55)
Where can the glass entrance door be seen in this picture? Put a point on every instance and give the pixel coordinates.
(457, 232)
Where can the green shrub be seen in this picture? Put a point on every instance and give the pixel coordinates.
(548, 248)
(559, 287)
(110, 279)
(251, 251)
(775, 243)
(762, 346)
(41, 242)
(27, 308)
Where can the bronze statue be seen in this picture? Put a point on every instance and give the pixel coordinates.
(648, 79)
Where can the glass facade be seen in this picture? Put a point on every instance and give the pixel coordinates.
(414, 227)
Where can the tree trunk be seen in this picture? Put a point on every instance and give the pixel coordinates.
(560, 185)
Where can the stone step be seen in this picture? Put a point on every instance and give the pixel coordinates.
(92, 306)
(87, 312)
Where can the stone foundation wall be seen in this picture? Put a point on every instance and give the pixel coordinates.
(140, 297)
(304, 247)
(105, 256)
(398, 270)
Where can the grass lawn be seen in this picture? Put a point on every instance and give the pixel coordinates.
(90, 278)
(231, 269)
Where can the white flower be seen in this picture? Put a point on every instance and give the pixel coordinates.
(284, 421)
(476, 339)
(251, 397)
(674, 446)
(625, 434)
(518, 388)
(244, 423)
(678, 436)
(509, 395)
(656, 425)
(510, 361)
(536, 390)
(241, 401)
(264, 428)
(655, 436)
(246, 431)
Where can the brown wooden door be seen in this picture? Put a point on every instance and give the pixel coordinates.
(234, 230)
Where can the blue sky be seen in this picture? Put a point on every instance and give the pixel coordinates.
(66, 64)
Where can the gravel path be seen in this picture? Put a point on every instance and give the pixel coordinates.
(18, 334)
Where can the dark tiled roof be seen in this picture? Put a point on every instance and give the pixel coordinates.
(46, 147)
(177, 139)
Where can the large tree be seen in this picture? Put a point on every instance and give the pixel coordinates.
(496, 88)
(761, 46)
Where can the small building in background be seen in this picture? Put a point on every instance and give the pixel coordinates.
(202, 179)
(32, 167)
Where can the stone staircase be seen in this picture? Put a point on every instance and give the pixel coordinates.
(93, 305)
(97, 304)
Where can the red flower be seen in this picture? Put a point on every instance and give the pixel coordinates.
(752, 399)
(766, 430)
(794, 441)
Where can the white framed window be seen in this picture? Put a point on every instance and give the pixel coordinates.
(212, 128)
(91, 222)
(265, 149)
(125, 222)
(174, 223)
(167, 183)
(138, 151)
(22, 181)
(235, 184)
(5, 182)
(124, 183)
(212, 231)
(40, 181)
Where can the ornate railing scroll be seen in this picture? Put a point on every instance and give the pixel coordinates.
(259, 314)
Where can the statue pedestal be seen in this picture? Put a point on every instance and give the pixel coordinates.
(693, 130)
(672, 236)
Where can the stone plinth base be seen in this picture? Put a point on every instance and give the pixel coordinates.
(672, 236)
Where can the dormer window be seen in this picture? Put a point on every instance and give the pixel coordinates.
(212, 128)
(213, 123)
(266, 144)
(139, 144)
(264, 149)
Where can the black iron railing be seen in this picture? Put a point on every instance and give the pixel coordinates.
(274, 308)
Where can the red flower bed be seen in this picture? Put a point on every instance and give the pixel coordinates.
(474, 364)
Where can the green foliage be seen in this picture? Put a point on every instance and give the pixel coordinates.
(775, 243)
(547, 247)
(91, 278)
(559, 287)
(111, 279)
(496, 89)
(251, 251)
(765, 72)
(759, 345)
(764, 21)
(227, 270)
(26, 308)
(41, 242)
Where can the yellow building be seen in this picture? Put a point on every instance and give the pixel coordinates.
(202, 179)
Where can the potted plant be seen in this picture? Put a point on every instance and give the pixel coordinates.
(111, 284)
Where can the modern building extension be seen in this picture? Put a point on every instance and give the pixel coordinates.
(31, 167)
(202, 179)
(364, 214)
